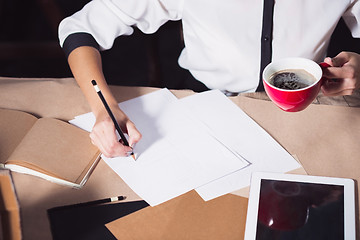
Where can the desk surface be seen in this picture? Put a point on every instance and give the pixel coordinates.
(62, 98)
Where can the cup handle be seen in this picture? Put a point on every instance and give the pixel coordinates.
(324, 65)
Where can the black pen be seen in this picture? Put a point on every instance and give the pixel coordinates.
(122, 136)
(91, 203)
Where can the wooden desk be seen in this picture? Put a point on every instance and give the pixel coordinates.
(62, 98)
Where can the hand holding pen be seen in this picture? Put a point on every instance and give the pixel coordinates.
(104, 135)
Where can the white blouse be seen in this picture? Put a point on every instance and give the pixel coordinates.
(222, 38)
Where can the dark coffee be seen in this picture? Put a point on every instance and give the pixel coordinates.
(292, 79)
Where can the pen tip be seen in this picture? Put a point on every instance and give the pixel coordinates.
(133, 156)
(93, 82)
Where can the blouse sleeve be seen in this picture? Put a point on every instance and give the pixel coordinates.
(100, 22)
(352, 18)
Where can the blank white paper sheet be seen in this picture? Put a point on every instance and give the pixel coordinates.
(236, 129)
(177, 153)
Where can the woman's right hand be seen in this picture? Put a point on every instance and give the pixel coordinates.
(104, 136)
(85, 64)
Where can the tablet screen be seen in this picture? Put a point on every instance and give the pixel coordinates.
(294, 210)
(298, 209)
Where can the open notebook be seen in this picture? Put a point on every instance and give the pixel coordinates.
(48, 148)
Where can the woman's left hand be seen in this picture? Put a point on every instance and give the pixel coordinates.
(343, 74)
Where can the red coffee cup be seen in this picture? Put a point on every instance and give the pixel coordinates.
(293, 100)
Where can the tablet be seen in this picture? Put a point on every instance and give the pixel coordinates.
(289, 206)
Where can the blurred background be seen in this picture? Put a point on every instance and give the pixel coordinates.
(29, 46)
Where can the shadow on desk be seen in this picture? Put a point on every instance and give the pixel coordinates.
(89, 222)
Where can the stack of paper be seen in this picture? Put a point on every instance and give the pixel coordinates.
(202, 142)
(234, 128)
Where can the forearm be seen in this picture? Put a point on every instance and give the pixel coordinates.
(85, 64)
